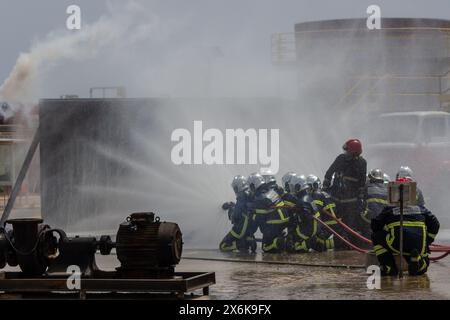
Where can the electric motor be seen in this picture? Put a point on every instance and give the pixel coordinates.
(147, 247)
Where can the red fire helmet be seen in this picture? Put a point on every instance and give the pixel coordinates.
(353, 146)
(405, 179)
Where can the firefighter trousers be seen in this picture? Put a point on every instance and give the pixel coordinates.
(418, 262)
(240, 237)
(350, 214)
(303, 235)
(272, 225)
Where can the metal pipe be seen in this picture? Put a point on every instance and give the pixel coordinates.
(21, 176)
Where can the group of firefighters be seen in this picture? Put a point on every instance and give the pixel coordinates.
(303, 214)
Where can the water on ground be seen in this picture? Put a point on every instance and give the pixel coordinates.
(270, 276)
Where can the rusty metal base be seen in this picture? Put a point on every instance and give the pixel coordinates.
(104, 284)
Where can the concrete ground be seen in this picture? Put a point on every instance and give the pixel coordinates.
(240, 280)
(330, 275)
(268, 277)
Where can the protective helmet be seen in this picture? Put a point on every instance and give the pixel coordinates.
(268, 176)
(286, 178)
(4, 106)
(297, 184)
(269, 179)
(386, 178)
(404, 172)
(376, 175)
(353, 146)
(255, 181)
(314, 182)
(239, 184)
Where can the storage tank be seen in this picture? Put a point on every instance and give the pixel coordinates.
(401, 67)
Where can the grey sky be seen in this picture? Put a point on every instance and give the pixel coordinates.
(239, 27)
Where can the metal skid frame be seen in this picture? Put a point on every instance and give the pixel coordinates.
(105, 283)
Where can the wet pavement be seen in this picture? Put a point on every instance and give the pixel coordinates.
(312, 276)
(270, 276)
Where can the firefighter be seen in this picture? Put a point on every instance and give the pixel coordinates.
(375, 199)
(268, 214)
(239, 239)
(303, 227)
(345, 181)
(288, 197)
(285, 181)
(327, 207)
(406, 172)
(271, 181)
(420, 230)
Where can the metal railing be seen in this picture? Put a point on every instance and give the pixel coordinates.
(286, 50)
(284, 45)
(283, 51)
(120, 91)
(444, 87)
(442, 91)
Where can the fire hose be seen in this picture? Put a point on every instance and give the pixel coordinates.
(439, 257)
(436, 247)
(433, 247)
(441, 248)
(340, 237)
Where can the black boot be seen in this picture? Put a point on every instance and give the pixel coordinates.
(251, 244)
(387, 264)
(417, 265)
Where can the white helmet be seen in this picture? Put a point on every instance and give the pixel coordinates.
(376, 175)
(297, 184)
(268, 176)
(4, 105)
(404, 172)
(255, 181)
(286, 178)
(239, 184)
(314, 182)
